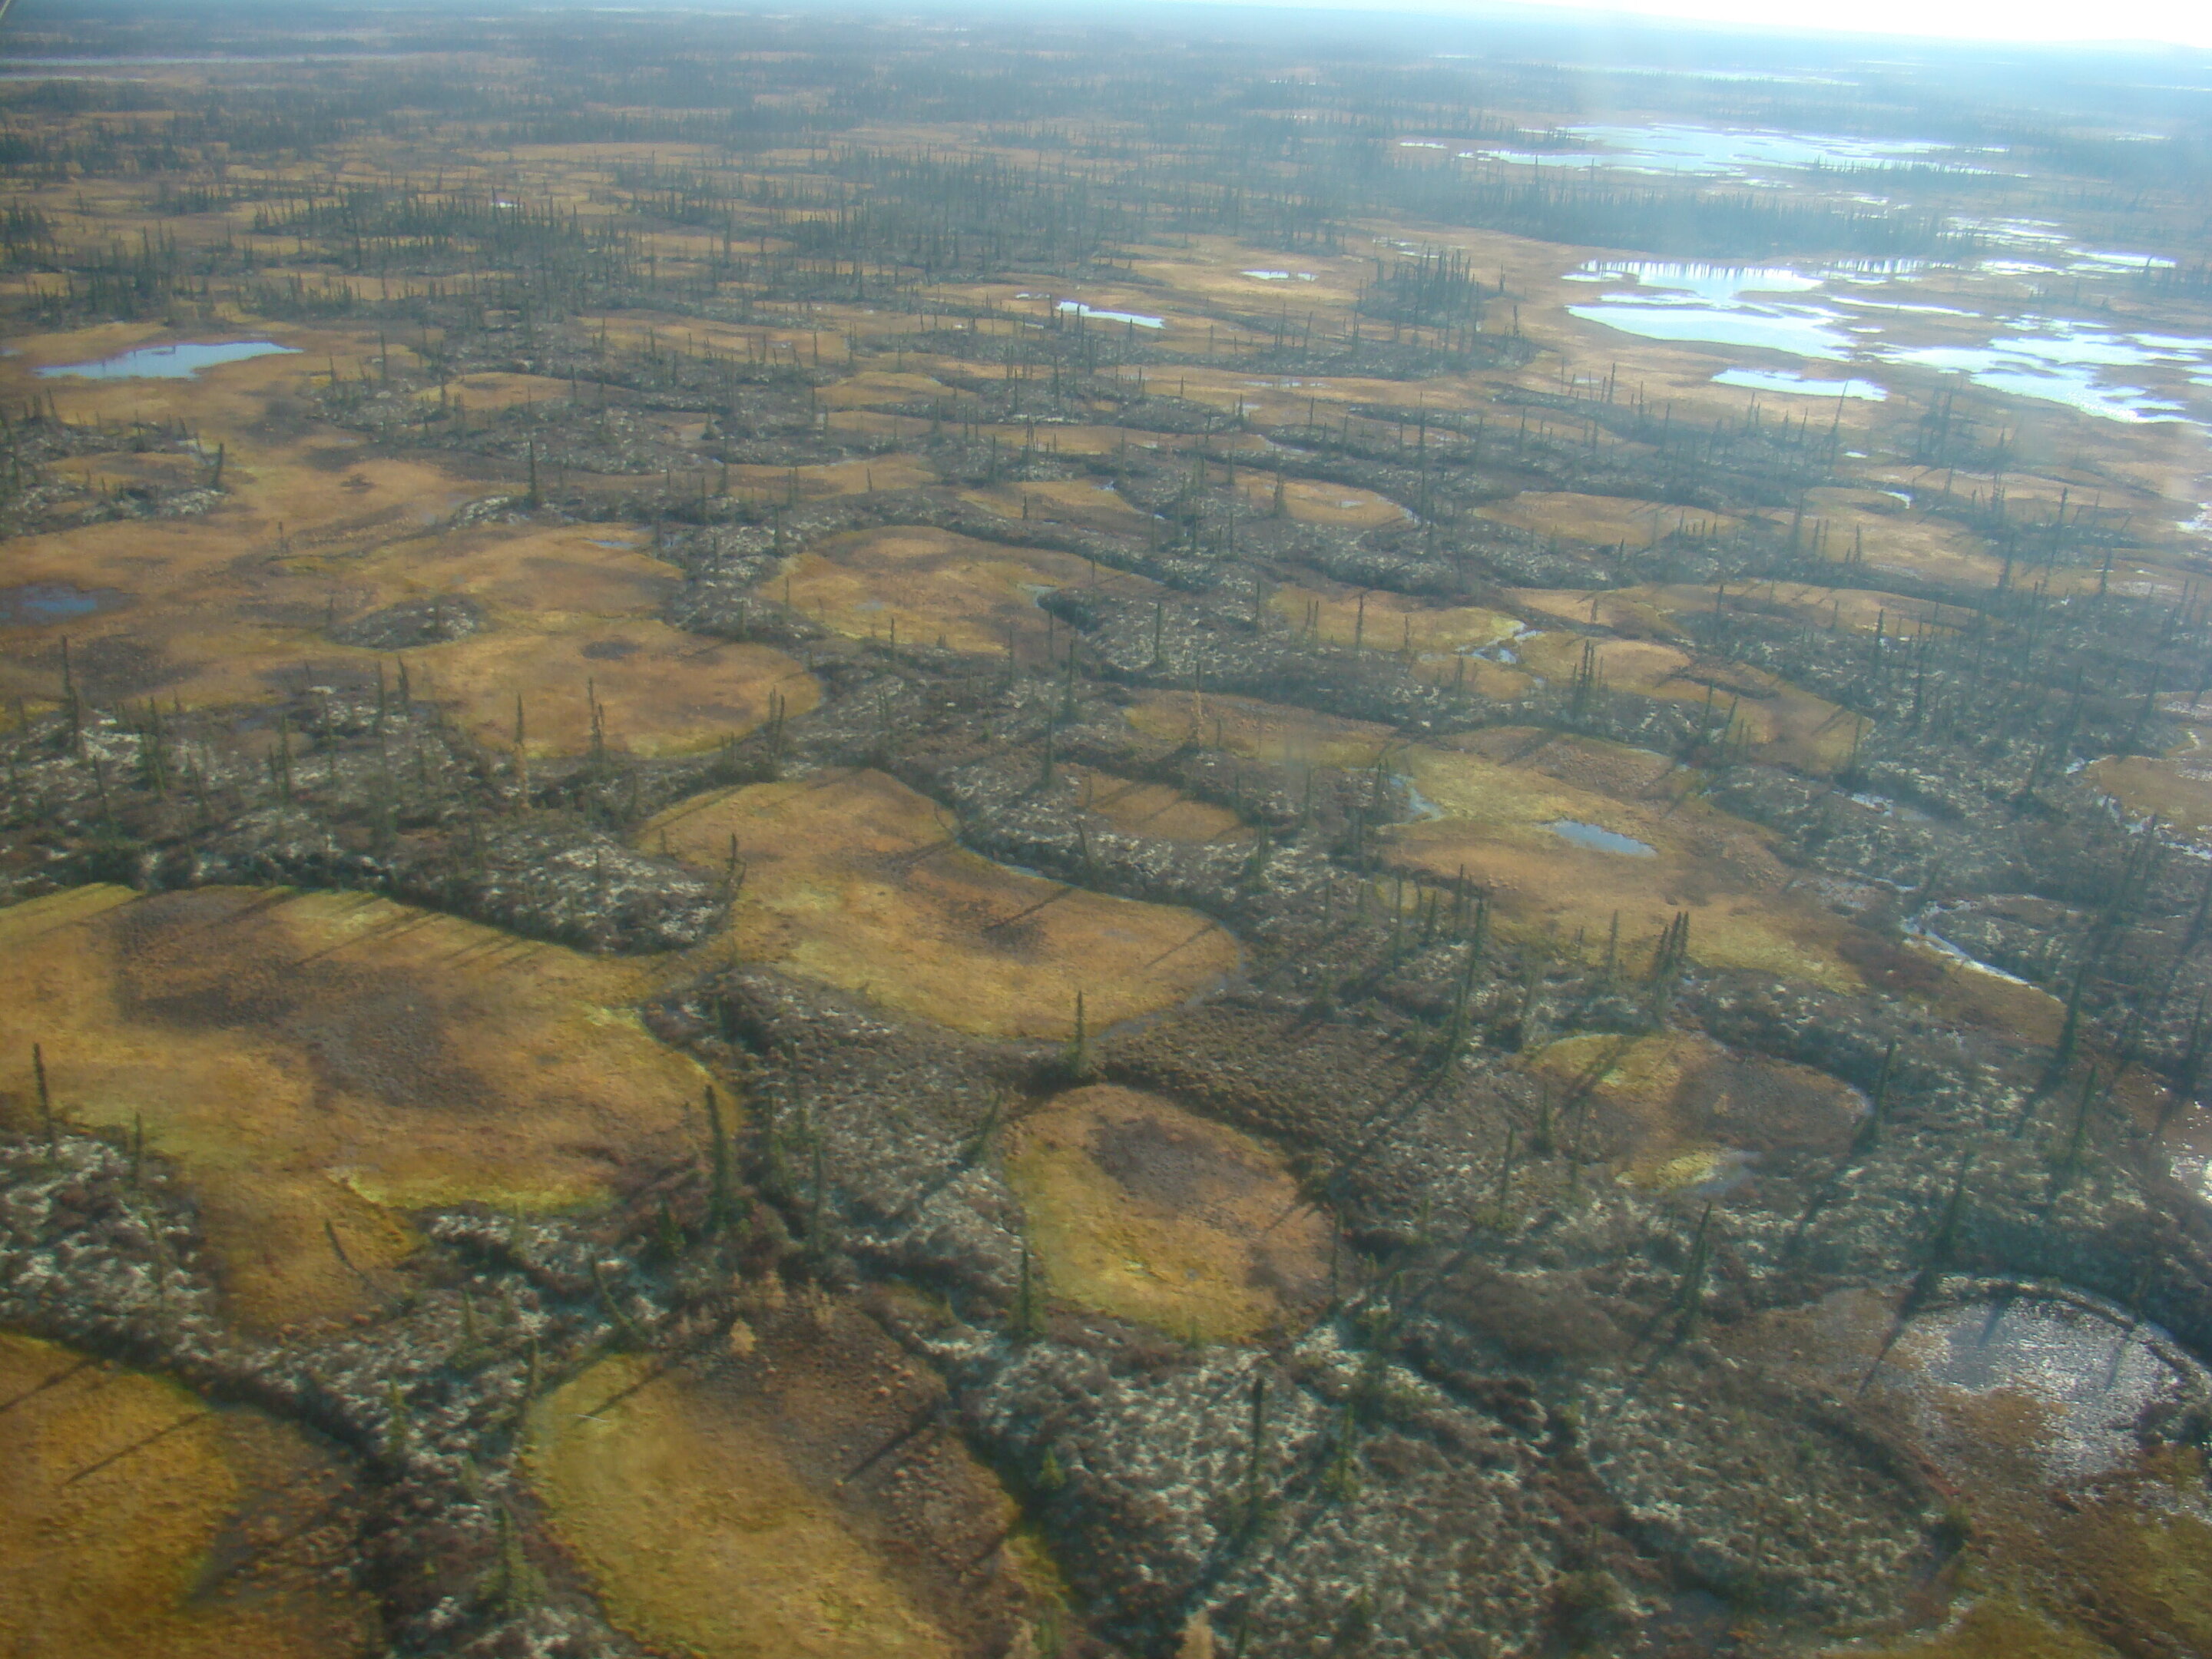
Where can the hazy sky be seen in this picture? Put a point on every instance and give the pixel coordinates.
(2182, 22)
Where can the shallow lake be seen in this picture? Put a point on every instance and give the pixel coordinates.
(2060, 362)
(1725, 152)
(2051, 360)
(1777, 380)
(1718, 305)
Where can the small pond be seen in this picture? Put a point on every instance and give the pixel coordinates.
(35, 604)
(1136, 317)
(167, 362)
(1599, 839)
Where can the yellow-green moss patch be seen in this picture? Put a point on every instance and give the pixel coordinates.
(116, 1490)
(1138, 1208)
(798, 1494)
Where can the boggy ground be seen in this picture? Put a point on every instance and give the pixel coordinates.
(318, 1066)
(1632, 1094)
(798, 1493)
(856, 880)
(1139, 1209)
(138, 1520)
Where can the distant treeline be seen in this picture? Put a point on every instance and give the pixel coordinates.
(1063, 159)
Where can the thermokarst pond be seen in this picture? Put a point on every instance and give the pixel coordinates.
(1717, 308)
(180, 361)
(39, 603)
(1604, 840)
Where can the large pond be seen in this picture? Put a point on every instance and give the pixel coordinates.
(2068, 363)
(1722, 152)
(1754, 307)
(2134, 377)
(1779, 379)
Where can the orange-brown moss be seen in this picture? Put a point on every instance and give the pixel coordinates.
(930, 586)
(1139, 1209)
(855, 880)
(1139, 808)
(331, 1060)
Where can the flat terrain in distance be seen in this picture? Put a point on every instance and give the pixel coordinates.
(831, 837)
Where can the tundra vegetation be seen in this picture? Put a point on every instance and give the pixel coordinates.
(833, 835)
